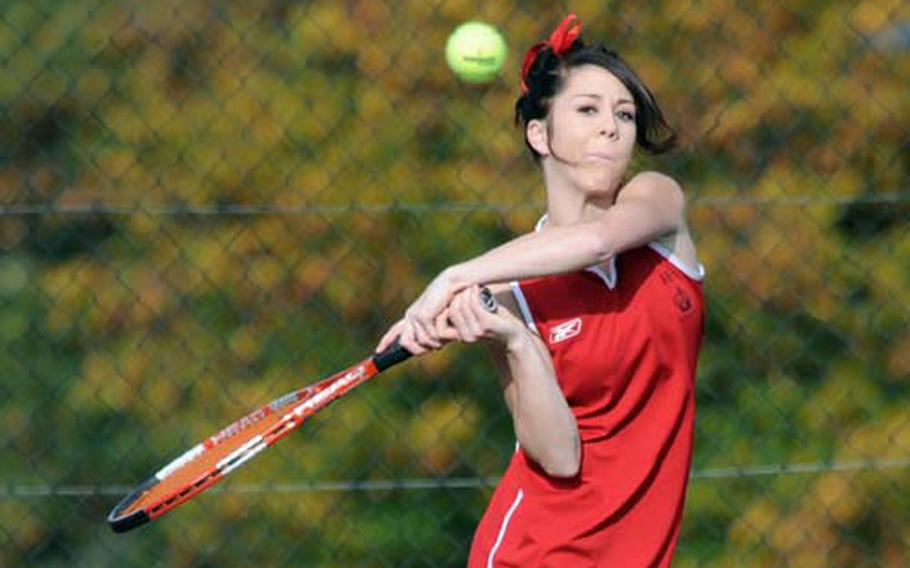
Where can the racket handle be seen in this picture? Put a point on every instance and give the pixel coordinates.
(392, 355)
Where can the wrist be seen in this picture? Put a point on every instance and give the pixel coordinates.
(456, 277)
(517, 342)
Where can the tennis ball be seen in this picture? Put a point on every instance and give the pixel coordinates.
(475, 52)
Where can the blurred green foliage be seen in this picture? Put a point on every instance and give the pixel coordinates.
(206, 204)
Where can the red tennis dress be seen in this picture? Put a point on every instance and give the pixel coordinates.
(624, 344)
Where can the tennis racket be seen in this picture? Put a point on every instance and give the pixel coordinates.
(210, 461)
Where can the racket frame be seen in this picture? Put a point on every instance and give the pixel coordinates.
(306, 402)
(303, 404)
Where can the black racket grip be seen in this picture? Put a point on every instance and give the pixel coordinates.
(392, 355)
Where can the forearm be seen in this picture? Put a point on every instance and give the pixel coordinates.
(544, 424)
(650, 206)
(553, 251)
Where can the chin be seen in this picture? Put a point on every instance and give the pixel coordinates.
(602, 183)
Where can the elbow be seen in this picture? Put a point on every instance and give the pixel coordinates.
(566, 465)
(602, 244)
(565, 470)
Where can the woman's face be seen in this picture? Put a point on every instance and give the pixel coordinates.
(592, 127)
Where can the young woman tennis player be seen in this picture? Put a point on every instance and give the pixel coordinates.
(598, 332)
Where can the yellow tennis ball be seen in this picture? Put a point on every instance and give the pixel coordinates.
(475, 52)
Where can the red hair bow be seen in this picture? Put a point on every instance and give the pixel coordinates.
(560, 41)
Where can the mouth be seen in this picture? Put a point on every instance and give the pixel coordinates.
(598, 157)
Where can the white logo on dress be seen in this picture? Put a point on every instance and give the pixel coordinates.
(565, 330)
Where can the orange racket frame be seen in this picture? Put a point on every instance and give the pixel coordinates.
(210, 461)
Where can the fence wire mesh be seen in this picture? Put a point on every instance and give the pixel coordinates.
(206, 204)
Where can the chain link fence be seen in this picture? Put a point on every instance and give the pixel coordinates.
(206, 204)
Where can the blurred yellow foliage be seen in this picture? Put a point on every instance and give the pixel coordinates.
(282, 179)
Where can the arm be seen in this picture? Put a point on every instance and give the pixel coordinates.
(650, 206)
(543, 423)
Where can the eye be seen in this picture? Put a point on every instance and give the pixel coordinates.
(587, 109)
(626, 116)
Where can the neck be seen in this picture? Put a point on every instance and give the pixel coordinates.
(568, 204)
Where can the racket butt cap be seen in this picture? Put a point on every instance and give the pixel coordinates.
(120, 523)
(129, 522)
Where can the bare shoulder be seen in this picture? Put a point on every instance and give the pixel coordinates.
(665, 195)
(660, 194)
(653, 185)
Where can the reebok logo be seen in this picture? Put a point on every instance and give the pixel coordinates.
(565, 330)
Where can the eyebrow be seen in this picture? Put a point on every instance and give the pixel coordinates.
(596, 96)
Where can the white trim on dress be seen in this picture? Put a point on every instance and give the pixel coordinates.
(610, 275)
(697, 274)
(505, 525)
(523, 306)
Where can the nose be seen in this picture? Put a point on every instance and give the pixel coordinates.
(609, 128)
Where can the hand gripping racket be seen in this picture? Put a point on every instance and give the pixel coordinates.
(210, 461)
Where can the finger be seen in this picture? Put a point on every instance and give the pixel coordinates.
(390, 336)
(442, 325)
(427, 328)
(449, 332)
(429, 325)
(408, 341)
(419, 332)
(497, 324)
(457, 316)
(471, 316)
